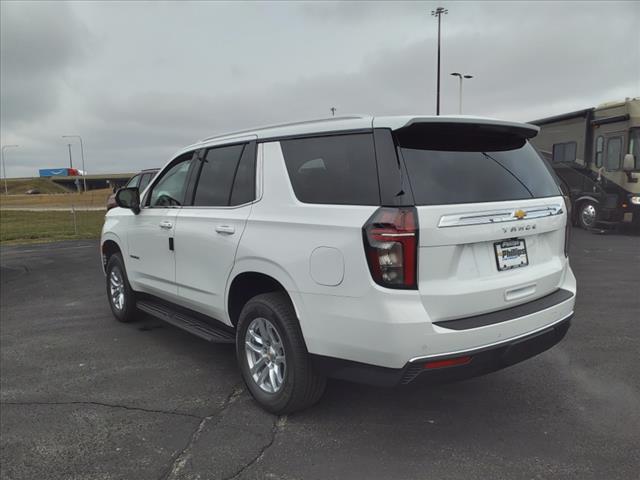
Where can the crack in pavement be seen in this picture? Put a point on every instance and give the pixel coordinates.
(278, 426)
(180, 459)
(102, 404)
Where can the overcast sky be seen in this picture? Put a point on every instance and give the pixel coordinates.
(140, 80)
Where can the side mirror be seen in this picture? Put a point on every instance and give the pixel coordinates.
(629, 162)
(129, 198)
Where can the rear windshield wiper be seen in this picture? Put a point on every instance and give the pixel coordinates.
(510, 173)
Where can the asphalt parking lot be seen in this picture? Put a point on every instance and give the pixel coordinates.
(85, 397)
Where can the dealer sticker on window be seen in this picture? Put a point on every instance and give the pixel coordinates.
(511, 254)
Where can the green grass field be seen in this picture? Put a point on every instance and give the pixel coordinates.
(48, 226)
(91, 199)
(19, 186)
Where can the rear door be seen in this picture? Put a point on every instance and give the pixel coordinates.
(491, 218)
(209, 229)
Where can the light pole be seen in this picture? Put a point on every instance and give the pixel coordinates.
(460, 76)
(70, 160)
(84, 180)
(438, 12)
(4, 167)
(333, 111)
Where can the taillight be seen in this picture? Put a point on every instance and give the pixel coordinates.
(567, 228)
(391, 246)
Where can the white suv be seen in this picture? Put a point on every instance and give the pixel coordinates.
(382, 250)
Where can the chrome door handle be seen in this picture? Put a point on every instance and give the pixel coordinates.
(166, 225)
(225, 229)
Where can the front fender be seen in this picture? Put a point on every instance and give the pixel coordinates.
(586, 197)
(113, 237)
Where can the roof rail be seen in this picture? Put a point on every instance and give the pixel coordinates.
(290, 124)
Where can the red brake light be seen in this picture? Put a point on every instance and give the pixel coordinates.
(391, 246)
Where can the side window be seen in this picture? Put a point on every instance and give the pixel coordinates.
(338, 169)
(570, 151)
(216, 176)
(564, 152)
(634, 145)
(244, 185)
(599, 150)
(614, 151)
(144, 181)
(170, 189)
(135, 180)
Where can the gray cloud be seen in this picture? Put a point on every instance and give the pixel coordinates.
(135, 111)
(39, 42)
(350, 12)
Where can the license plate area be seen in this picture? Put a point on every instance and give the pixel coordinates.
(511, 254)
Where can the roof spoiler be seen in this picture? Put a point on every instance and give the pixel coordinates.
(521, 130)
(463, 134)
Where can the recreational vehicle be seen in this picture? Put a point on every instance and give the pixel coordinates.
(596, 154)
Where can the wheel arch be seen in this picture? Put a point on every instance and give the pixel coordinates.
(109, 245)
(249, 279)
(586, 198)
(577, 203)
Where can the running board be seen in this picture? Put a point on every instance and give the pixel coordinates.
(186, 322)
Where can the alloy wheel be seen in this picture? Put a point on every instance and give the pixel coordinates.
(116, 289)
(588, 215)
(265, 355)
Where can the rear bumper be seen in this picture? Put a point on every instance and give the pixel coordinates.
(481, 361)
(389, 329)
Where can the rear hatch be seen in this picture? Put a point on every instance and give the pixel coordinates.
(491, 217)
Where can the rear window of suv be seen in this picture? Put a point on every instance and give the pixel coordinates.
(469, 164)
(335, 169)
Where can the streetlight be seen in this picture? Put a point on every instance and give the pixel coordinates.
(460, 76)
(70, 159)
(84, 180)
(333, 111)
(4, 167)
(438, 12)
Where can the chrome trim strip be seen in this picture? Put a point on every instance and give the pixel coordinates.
(495, 344)
(499, 216)
(217, 207)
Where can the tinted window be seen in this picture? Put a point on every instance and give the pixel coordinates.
(244, 185)
(170, 189)
(570, 151)
(144, 181)
(634, 145)
(216, 177)
(394, 186)
(564, 152)
(614, 149)
(599, 150)
(133, 182)
(339, 169)
(448, 176)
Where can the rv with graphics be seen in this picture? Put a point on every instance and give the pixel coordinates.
(596, 154)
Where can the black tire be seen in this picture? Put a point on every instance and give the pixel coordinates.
(301, 386)
(587, 215)
(127, 312)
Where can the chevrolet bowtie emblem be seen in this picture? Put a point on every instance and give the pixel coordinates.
(519, 214)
